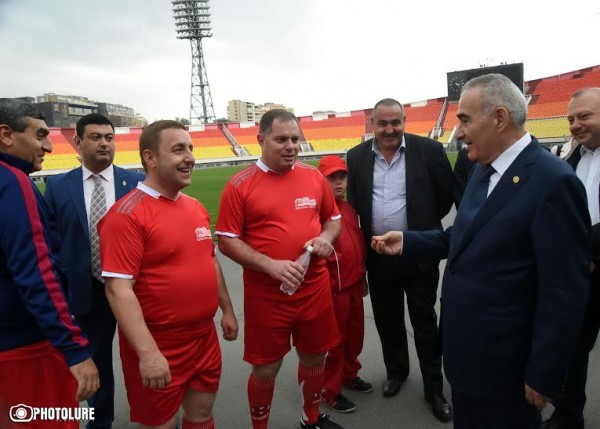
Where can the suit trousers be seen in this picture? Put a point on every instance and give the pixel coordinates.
(390, 278)
(99, 325)
(571, 401)
(494, 412)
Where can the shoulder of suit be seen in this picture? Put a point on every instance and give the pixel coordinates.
(61, 176)
(129, 173)
(421, 140)
(361, 146)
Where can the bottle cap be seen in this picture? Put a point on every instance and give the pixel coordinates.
(309, 249)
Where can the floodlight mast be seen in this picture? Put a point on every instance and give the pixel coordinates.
(192, 21)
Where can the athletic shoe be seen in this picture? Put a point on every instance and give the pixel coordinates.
(323, 423)
(339, 403)
(359, 385)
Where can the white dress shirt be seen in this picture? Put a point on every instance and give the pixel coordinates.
(588, 171)
(506, 158)
(108, 181)
(389, 192)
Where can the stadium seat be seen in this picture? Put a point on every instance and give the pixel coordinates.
(333, 133)
(549, 127)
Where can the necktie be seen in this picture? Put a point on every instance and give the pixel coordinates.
(470, 206)
(97, 210)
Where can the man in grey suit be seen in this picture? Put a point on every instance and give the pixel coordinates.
(397, 181)
(78, 199)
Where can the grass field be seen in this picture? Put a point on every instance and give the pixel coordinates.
(208, 183)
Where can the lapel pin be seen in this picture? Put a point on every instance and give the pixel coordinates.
(124, 183)
(516, 179)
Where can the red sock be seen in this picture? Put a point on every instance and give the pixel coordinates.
(209, 424)
(260, 395)
(311, 382)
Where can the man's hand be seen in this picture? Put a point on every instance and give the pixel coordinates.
(289, 273)
(534, 398)
(390, 243)
(229, 325)
(87, 378)
(154, 369)
(321, 247)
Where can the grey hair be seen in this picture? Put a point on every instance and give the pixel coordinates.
(499, 91)
(14, 113)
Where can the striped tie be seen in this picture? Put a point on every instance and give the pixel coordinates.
(97, 210)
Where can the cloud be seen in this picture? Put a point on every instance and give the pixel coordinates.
(310, 54)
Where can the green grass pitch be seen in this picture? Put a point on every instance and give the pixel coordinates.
(208, 183)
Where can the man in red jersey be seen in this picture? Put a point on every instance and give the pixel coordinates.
(270, 212)
(159, 240)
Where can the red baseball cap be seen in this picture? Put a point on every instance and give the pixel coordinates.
(330, 164)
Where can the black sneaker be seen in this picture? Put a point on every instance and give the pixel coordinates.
(339, 403)
(323, 423)
(359, 385)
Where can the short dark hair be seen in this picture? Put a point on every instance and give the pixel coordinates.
(14, 113)
(389, 102)
(150, 137)
(266, 121)
(92, 119)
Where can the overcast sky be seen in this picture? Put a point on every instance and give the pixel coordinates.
(307, 54)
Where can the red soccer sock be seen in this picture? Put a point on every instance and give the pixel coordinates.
(209, 424)
(260, 395)
(311, 382)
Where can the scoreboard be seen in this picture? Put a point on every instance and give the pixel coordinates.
(457, 79)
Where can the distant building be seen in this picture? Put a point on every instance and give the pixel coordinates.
(121, 116)
(63, 111)
(244, 111)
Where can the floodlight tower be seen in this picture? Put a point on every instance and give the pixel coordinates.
(192, 21)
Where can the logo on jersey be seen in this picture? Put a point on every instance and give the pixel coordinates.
(203, 233)
(305, 203)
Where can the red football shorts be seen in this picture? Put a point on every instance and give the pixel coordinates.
(268, 325)
(194, 362)
(36, 376)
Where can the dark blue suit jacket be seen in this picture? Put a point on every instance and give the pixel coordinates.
(515, 287)
(64, 194)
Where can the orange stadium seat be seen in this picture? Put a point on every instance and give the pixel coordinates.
(548, 103)
(244, 136)
(211, 143)
(63, 155)
(334, 133)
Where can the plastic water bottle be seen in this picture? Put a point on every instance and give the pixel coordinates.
(304, 261)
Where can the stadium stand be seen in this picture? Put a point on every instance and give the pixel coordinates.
(334, 132)
(547, 128)
(127, 150)
(449, 122)
(245, 136)
(63, 155)
(548, 102)
(211, 142)
(421, 118)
